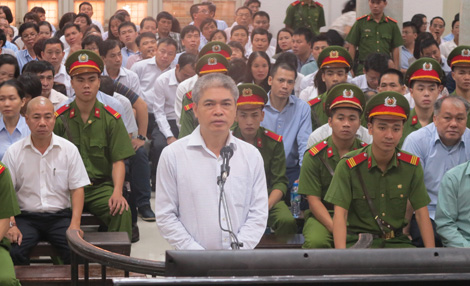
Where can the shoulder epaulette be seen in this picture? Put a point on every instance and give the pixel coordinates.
(317, 148)
(391, 19)
(113, 112)
(356, 160)
(189, 94)
(364, 144)
(319, 4)
(188, 107)
(362, 17)
(2, 168)
(273, 135)
(408, 158)
(295, 3)
(414, 120)
(61, 110)
(314, 101)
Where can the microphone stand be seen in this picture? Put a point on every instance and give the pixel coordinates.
(224, 172)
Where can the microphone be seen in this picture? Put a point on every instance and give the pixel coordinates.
(226, 153)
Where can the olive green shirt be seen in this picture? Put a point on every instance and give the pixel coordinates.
(188, 120)
(412, 124)
(318, 115)
(388, 190)
(8, 202)
(372, 37)
(314, 176)
(101, 141)
(274, 158)
(300, 14)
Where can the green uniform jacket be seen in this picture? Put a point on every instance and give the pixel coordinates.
(412, 124)
(300, 14)
(101, 141)
(188, 121)
(317, 114)
(314, 176)
(403, 180)
(271, 148)
(8, 202)
(372, 37)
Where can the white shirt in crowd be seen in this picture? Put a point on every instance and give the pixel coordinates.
(64, 78)
(127, 78)
(164, 101)
(325, 131)
(58, 99)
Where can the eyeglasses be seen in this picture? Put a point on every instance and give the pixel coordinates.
(32, 35)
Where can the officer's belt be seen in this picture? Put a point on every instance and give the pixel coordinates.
(380, 222)
(94, 182)
(386, 236)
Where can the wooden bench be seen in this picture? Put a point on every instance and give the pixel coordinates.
(46, 275)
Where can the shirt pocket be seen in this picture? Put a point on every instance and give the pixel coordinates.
(60, 180)
(398, 198)
(98, 153)
(386, 38)
(360, 199)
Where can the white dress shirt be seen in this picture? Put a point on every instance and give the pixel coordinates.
(98, 23)
(164, 101)
(58, 99)
(325, 130)
(183, 88)
(187, 204)
(126, 104)
(148, 72)
(43, 181)
(64, 78)
(127, 78)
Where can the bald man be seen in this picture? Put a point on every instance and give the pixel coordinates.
(46, 171)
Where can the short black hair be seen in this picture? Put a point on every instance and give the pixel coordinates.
(84, 3)
(90, 39)
(249, 2)
(307, 33)
(88, 20)
(37, 9)
(262, 14)
(377, 62)
(207, 22)
(261, 31)
(283, 65)
(321, 38)
(187, 59)
(107, 85)
(31, 84)
(3, 37)
(107, 45)
(440, 18)
(239, 27)
(218, 31)
(38, 67)
(52, 41)
(27, 25)
(427, 43)
(189, 29)
(149, 18)
(10, 60)
(70, 25)
(168, 41)
(16, 84)
(164, 15)
(455, 22)
(237, 45)
(31, 16)
(127, 24)
(45, 23)
(396, 72)
(409, 24)
(38, 47)
(194, 9)
(289, 58)
(243, 8)
(144, 35)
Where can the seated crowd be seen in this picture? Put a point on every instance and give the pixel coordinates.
(368, 121)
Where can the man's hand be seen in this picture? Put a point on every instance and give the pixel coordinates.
(15, 235)
(170, 140)
(76, 227)
(117, 204)
(137, 143)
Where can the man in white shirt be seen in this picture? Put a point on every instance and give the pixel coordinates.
(187, 209)
(87, 8)
(45, 71)
(447, 47)
(127, 35)
(46, 171)
(53, 52)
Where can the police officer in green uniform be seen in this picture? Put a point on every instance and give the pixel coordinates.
(424, 78)
(374, 33)
(372, 185)
(8, 208)
(307, 13)
(209, 63)
(459, 61)
(344, 105)
(250, 113)
(101, 138)
(334, 63)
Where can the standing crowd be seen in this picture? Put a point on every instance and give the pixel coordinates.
(368, 119)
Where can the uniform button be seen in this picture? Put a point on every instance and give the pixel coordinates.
(401, 196)
(363, 197)
(89, 121)
(378, 42)
(383, 174)
(383, 214)
(383, 195)
(377, 33)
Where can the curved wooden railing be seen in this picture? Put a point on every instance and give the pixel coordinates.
(106, 258)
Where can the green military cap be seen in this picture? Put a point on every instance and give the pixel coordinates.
(251, 94)
(344, 95)
(335, 56)
(460, 56)
(216, 47)
(211, 63)
(388, 103)
(425, 69)
(84, 61)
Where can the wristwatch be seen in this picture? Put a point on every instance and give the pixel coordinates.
(12, 224)
(141, 137)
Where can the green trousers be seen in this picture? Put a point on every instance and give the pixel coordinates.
(281, 220)
(7, 271)
(96, 202)
(315, 233)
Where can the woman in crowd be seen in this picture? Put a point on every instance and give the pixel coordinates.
(421, 22)
(284, 41)
(218, 35)
(114, 22)
(258, 68)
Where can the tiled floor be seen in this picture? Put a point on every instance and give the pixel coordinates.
(151, 244)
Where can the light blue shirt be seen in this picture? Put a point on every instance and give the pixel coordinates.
(453, 207)
(126, 53)
(6, 139)
(448, 38)
(309, 68)
(294, 124)
(23, 57)
(405, 57)
(301, 64)
(11, 46)
(436, 158)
